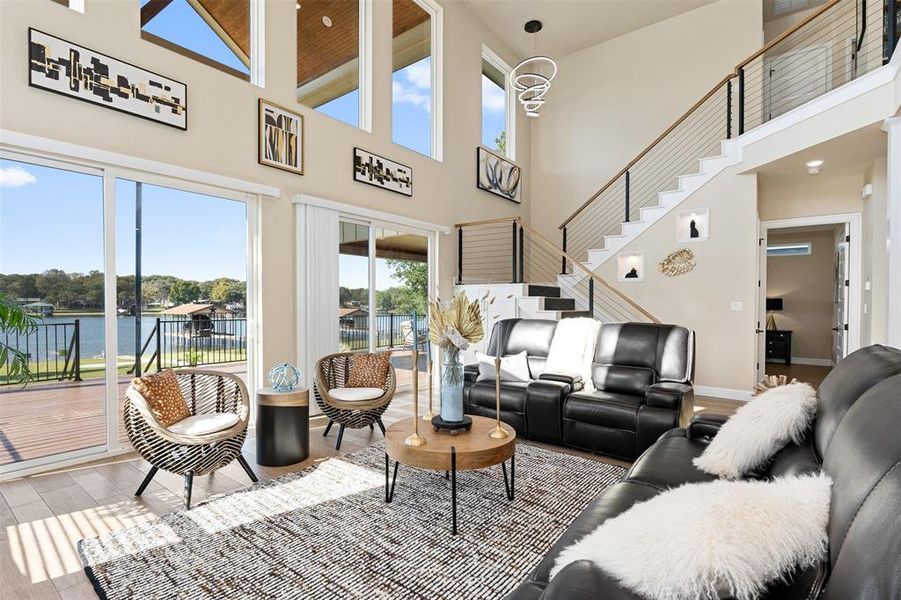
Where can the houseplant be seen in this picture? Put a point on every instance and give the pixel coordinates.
(13, 320)
(453, 328)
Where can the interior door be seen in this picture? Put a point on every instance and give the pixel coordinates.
(761, 305)
(841, 282)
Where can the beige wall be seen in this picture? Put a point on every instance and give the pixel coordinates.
(797, 194)
(222, 128)
(702, 298)
(611, 100)
(874, 304)
(805, 283)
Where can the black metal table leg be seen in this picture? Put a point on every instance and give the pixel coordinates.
(454, 489)
(510, 488)
(389, 489)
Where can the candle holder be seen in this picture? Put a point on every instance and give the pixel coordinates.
(498, 432)
(431, 414)
(414, 439)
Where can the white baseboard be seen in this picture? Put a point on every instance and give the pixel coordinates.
(817, 362)
(724, 393)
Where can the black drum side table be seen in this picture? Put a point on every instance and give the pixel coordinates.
(283, 427)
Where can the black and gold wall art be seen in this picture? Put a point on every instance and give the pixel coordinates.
(71, 70)
(383, 173)
(280, 142)
(497, 175)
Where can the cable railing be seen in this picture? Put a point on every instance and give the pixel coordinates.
(834, 45)
(501, 251)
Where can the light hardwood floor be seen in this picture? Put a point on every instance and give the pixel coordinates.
(42, 517)
(811, 374)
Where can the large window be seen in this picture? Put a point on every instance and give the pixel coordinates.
(496, 118)
(214, 32)
(414, 99)
(328, 57)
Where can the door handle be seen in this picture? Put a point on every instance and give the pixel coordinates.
(836, 329)
(759, 330)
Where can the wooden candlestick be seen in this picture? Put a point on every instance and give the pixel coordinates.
(429, 415)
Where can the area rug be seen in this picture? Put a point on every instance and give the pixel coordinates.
(326, 532)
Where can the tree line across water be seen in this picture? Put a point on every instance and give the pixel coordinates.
(84, 291)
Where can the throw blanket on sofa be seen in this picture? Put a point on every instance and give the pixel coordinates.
(572, 349)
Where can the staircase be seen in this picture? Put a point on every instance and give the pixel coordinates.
(545, 302)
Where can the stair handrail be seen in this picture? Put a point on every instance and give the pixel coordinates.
(561, 254)
(735, 73)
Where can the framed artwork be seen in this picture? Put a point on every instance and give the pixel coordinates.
(71, 70)
(382, 173)
(497, 175)
(280, 137)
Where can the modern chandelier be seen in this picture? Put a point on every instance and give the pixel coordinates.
(532, 77)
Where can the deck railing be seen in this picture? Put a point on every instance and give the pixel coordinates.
(194, 342)
(53, 351)
(392, 330)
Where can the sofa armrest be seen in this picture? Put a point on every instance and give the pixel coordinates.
(574, 381)
(582, 580)
(705, 426)
(669, 395)
(471, 373)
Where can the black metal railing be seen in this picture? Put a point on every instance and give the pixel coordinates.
(193, 342)
(392, 330)
(53, 351)
(522, 255)
(839, 42)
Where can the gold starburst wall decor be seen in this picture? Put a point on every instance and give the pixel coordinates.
(677, 263)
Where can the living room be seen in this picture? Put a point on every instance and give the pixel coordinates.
(545, 227)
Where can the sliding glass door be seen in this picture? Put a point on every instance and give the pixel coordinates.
(383, 278)
(52, 267)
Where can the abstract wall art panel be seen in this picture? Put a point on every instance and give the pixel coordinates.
(373, 169)
(497, 175)
(78, 72)
(280, 138)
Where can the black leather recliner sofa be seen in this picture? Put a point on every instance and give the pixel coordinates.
(642, 374)
(855, 439)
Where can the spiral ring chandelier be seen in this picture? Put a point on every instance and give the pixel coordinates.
(533, 76)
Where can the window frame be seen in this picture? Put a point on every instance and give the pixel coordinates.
(789, 249)
(436, 116)
(492, 58)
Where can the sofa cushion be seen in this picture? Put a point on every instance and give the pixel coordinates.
(512, 336)
(622, 380)
(668, 464)
(627, 345)
(513, 395)
(616, 411)
(204, 424)
(356, 394)
(794, 459)
(616, 499)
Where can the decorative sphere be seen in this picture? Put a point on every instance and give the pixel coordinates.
(284, 377)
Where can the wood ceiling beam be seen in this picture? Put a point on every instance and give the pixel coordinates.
(152, 9)
(220, 31)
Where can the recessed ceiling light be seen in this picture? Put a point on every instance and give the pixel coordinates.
(813, 166)
(298, 6)
(327, 21)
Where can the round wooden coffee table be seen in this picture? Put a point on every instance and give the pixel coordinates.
(443, 452)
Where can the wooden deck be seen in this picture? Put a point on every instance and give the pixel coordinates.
(47, 418)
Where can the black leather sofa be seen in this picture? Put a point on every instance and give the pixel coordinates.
(855, 438)
(642, 374)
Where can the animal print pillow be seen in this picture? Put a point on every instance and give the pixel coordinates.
(163, 396)
(369, 370)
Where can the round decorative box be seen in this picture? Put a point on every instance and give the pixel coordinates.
(284, 377)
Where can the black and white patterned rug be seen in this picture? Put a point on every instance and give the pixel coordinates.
(326, 532)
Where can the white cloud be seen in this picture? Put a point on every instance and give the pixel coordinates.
(493, 99)
(14, 177)
(409, 95)
(420, 74)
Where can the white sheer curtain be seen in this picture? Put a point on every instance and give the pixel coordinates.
(317, 293)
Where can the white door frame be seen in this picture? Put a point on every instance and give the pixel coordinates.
(855, 269)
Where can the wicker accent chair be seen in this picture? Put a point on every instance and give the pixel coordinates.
(206, 392)
(332, 372)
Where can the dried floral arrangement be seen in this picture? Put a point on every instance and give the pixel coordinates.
(677, 263)
(457, 325)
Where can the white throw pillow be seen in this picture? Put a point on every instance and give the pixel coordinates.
(758, 430)
(514, 367)
(708, 540)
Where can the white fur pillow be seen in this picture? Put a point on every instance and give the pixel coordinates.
(758, 430)
(514, 367)
(708, 540)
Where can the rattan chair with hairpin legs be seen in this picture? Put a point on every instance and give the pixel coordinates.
(332, 372)
(206, 392)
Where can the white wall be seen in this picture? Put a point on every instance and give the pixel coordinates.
(222, 128)
(611, 100)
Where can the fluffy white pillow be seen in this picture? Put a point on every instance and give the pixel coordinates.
(514, 367)
(708, 540)
(758, 430)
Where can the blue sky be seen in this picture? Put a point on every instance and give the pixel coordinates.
(53, 219)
